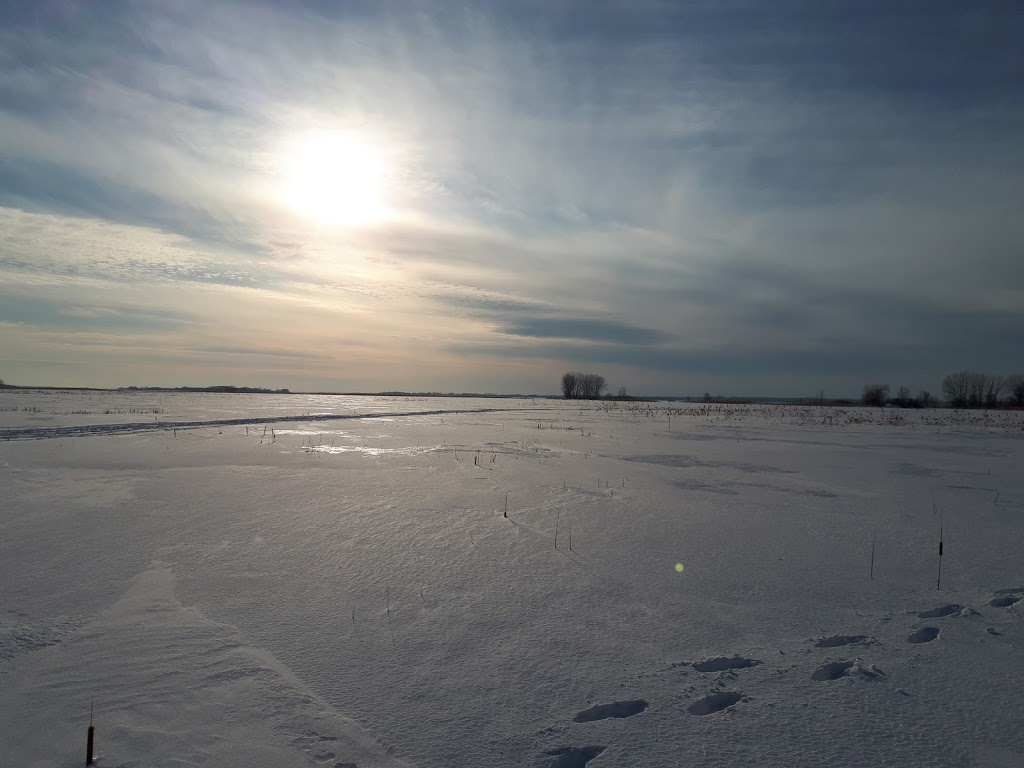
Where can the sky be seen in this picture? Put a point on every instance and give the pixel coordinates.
(725, 196)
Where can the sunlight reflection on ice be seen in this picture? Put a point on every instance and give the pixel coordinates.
(308, 432)
(332, 449)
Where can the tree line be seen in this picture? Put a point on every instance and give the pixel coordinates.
(963, 389)
(582, 386)
(967, 389)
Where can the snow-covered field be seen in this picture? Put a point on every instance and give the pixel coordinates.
(331, 581)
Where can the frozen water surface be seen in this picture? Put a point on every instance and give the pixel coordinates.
(272, 580)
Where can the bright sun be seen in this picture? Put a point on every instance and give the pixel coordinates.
(336, 178)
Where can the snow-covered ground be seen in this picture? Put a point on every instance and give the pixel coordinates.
(316, 581)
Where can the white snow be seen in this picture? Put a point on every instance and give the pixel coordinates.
(342, 588)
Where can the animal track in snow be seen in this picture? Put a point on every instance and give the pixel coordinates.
(572, 757)
(942, 610)
(836, 641)
(924, 635)
(723, 663)
(615, 709)
(716, 702)
(1003, 602)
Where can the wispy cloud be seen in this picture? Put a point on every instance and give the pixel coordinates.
(585, 329)
(686, 192)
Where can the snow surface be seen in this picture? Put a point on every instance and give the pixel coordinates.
(272, 580)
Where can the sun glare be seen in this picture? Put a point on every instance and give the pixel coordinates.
(336, 178)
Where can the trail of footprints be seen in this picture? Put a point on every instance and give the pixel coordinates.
(720, 700)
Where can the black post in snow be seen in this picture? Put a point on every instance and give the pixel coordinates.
(89, 741)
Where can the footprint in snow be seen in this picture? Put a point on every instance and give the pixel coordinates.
(716, 702)
(945, 610)
(723, 663)
(571, 757)
(924, 635)
(837, 669)
(832, 671)
(1004, 602)
(313, 743)
(837, 641)
(615, 709)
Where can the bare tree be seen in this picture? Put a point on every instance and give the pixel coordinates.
(925, 399)
(875, 394)
(975, 390)
(592, 386)
(622, 392)
(968, 389)
(993, 388)
(904, 399)
(957, 388)
(1015, 388)
(585, 386)
(570, 385)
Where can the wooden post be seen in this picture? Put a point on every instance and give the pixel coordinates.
(89, 741)
(391, 627)
(873, 556)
